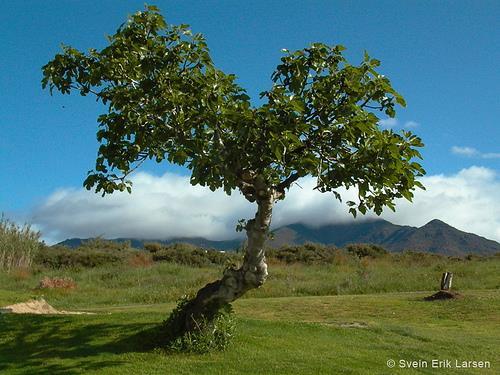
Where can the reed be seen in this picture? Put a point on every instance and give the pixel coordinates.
(18, 245)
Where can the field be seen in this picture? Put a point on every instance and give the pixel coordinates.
(348, 317)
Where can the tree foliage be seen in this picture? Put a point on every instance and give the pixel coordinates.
(166, 100)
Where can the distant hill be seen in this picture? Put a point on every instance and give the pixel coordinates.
(376, 231)
(434, 237)
(139, 243)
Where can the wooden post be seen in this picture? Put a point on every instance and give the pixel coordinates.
(446, 281)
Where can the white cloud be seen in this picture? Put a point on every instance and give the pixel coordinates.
(411, 124)
(159, 207)
(464, 151)
(388, 123)
(168, 206)
(472, 152)
(491, 155)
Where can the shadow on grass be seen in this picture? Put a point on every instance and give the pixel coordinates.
(69, 345)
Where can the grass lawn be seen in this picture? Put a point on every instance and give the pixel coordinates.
(164, 282)
(347, 334)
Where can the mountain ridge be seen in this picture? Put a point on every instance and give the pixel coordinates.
(435, 236)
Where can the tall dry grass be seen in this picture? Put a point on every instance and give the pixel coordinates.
(18, 245)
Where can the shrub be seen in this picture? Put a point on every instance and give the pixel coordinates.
(187, 254)
(474, 257)
(210, 334)
(18, 245)
(57, 283)
(140, 259)
(309, 253)
(366, 250)
(62, 257)
(153, 247)
(101, 244)
(341, 258)
(98, 252)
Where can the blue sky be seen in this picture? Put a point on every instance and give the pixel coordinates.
(441, 55)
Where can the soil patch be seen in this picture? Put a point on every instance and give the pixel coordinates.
(442, 295)
(39, 306)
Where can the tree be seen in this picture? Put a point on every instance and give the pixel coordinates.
(166, 100)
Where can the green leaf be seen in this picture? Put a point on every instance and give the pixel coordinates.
(400, 100)
(165, 98)
(353, 212)
(298, 105)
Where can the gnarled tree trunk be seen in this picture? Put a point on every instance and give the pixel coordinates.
(235, 282)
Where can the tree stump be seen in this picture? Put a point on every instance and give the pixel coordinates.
(446, 279)
(445, 286)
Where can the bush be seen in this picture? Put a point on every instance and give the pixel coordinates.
(153, 247)
(341, 258)
(18, 245)
(98, 252)
(57, 283)
(140, 259)
(101, 244)
(309, 253)
(187, 254)
(366, 250)
(215, 333)
(474, 257)
(62, 257)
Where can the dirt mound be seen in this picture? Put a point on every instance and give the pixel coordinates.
(442, 295)
(39, 306)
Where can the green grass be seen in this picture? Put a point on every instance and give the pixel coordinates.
(348, 317)
(111, 285)
(291, 335)
(165, 282)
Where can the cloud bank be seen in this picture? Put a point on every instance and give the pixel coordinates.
(471, 152)
(167, 206)
(390, 122)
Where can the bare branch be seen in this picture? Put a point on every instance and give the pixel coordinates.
(288, 182)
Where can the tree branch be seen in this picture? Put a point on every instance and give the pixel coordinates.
(130, 171)
(288, 182)
(371, 107)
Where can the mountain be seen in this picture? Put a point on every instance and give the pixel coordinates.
(439, 237)
(374, 231)
(434, 237)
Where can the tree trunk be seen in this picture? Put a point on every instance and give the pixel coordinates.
(235, 282)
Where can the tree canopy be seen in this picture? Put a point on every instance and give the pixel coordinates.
(167, 101)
